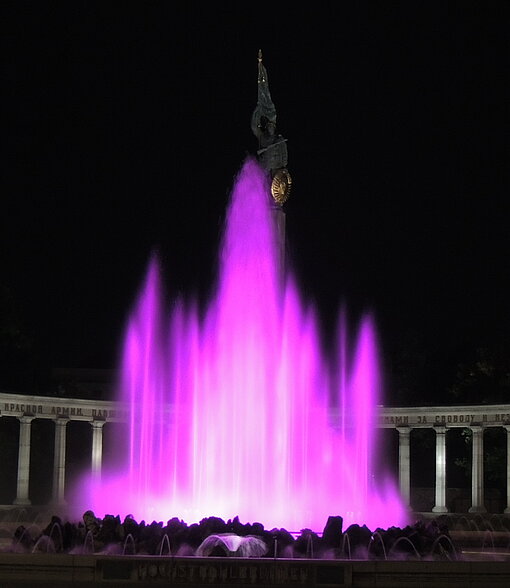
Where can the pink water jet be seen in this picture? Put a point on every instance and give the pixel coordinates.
(239, 411)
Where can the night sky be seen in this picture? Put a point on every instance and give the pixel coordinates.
(125, 123)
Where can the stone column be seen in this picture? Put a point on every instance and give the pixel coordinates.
(59, 461)
(440, 505)
(477, 498)
(97, 448)
(404, 469)
(23, 460)
(507, 509)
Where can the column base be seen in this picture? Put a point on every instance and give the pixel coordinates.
(477, 509)
(507, 510)
(440, 509)
(22, 502)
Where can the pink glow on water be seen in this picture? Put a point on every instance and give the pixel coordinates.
(240, 412)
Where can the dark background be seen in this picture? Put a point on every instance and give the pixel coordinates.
(124, 125)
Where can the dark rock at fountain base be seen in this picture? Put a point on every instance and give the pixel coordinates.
(332, 533)
(360, 538)
(109, 530)
(422, 540)
(282, 542)
(308, 544)
(22, 540)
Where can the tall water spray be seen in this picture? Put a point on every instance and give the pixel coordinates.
(238, 411)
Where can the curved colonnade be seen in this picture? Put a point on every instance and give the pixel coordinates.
(27, 408)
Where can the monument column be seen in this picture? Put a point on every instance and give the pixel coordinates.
(23, 460)
(404, 463)
(279, 225)
(97, 448)
(59, 461)
(440, 505)
(507, 509)
(477, 498)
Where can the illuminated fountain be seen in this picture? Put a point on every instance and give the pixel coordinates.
(238, 410)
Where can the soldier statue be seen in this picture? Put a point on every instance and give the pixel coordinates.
(272, 152)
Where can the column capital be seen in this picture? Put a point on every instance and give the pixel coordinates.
(61, 420)
(97, 424)
(406, 430)
(439, 429)
(26, 418)
(477, 428)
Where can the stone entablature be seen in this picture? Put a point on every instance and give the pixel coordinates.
(50, 407)
(496, 415)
